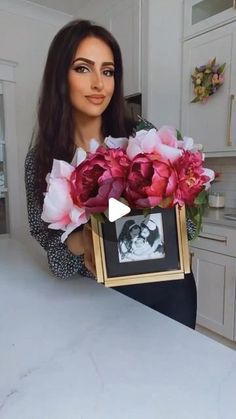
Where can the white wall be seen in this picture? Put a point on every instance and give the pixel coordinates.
(162, 31)
(162, 66)
(25, 40)
(96, 11)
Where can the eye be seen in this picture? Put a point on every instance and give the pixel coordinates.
(109, 72)
(81, 69)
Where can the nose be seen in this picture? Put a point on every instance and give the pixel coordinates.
(97, 81)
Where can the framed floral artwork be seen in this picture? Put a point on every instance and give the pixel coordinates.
(140, 248)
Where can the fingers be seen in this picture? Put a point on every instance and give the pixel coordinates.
(90, 264)
(89, 258)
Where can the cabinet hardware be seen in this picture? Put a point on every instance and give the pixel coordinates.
(231, 99)
(234, 4)
(207, 236)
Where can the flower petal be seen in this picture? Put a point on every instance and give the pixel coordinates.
(57, 201)
(93, 145)
(60, 169)
(169, 153)
(120, 142)
(79, 156)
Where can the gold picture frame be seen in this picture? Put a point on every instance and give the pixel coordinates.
(160, 255)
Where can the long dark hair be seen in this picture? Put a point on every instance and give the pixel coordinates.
(125, 234)
(153, 234)
(55, 131)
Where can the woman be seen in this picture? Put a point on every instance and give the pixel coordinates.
(82, 98)
(150, 232)
(129, 232)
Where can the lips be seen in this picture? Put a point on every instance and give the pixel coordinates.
(96, 99)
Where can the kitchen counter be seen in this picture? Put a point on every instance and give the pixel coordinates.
(216, 216)
(76, 350)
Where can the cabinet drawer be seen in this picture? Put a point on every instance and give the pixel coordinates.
(217, 239)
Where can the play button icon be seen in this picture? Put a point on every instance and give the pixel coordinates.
(116, 209)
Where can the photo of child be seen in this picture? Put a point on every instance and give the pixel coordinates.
(140, 238)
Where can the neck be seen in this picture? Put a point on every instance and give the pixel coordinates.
(87, 128)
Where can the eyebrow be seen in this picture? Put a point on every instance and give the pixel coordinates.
(92, 62)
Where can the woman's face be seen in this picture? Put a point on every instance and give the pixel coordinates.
(139, 242)
(134, 231)
(91, 77)
(145, 232)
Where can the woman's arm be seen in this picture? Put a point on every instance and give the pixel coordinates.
(64, 259)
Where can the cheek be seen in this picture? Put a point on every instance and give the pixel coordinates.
(75, 85)
(110, 87)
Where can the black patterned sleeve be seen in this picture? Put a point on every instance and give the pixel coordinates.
(61, 261)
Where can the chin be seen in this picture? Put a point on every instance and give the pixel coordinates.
(95, 112)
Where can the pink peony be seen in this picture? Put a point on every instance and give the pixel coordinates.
(57, 203)
(100, 177)
(150, 181)
(163, 143)
(168, 136)
(59, 209)
(192, 177)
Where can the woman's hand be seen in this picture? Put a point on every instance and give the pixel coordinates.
(81, 243)
(89, 258)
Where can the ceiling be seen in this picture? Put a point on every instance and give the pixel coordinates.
(70, 7)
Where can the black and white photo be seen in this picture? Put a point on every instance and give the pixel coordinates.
(140, 238)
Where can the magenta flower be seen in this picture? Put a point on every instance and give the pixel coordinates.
(150, 181)
(100, 177)
(192, 177)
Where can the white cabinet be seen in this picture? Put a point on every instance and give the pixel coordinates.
(123, 19)
(4, 210)
(214, 268)
(202, 15)
(10, 219)
(215, 278)
(213, 123)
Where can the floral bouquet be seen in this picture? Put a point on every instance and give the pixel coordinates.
(207, 79)
(152, 168)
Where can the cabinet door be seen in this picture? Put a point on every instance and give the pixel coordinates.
(201, 15)
(210, 123)
(215, 279)
(124, 22)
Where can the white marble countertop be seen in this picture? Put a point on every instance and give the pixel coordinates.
(76, 350)
(216, 216)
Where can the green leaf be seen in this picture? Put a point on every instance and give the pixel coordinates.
(147, 211)
(208, 81)
(213, 61)
(144, 124)
(221, 69)
(195, 100)
(179, 135)
(202, 198)
(166, 202)
(196, 212)
(99, 217)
